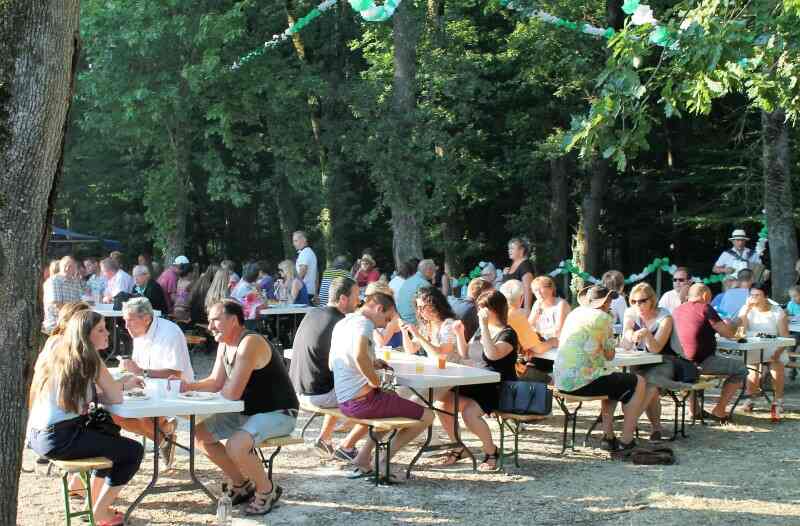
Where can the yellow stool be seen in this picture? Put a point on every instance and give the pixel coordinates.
(82, 466)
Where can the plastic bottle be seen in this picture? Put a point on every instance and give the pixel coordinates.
(224, 508)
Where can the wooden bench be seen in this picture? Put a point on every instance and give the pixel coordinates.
(572, 416)
(379, 425)
(512, 422)
(194, 340)
(277, 443)
(679, 398)
(81, 466)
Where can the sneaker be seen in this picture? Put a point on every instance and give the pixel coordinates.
(776, 411)
(609, 444)
(324, 449)
(347, 455)
(625, 450)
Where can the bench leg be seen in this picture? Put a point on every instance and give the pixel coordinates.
(568, 416)
(517, 427)
(88, 512)
(382, 444)
(268, 462)
(676, 401)
(308, 423)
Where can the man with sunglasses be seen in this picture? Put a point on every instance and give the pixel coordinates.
(680, 290)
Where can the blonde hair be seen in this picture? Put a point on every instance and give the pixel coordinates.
(551, 283)
(219, 289)
(73, 365)
(643, 287)
(65, 313)
(287, 266)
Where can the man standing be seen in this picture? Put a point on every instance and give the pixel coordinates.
(246, 369)
(306, 264)
(117, 280)
(169, 280)
(64, 287)
(357, 385)
(696, 323)
(406, 304)
(148, 288)
(159, 351)
(737, 257)
(680, 290)
(311, 376)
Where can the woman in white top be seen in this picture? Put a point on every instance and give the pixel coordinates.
(434, 332)
(549, 311)
(759, 316)
(63, 388)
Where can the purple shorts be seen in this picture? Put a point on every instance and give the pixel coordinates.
(380, 404)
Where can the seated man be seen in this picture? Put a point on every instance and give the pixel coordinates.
(246, 369)
(311, 377)
(149, 288)
(159, 351)
(696, 322)
(734, 299)
(357, 385)
(465, 309)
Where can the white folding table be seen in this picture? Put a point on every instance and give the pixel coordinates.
(622, 357)
(155, 408)
(295, 311)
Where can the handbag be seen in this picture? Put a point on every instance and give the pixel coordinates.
(99, 419)
(525, 398)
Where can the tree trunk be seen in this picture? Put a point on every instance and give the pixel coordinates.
(778, 202)
(287, 212)
(38, 54)
(592, 208)
(559, 179)
(407, 241)
(175, 237)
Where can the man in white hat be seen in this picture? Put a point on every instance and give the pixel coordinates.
(737, 257)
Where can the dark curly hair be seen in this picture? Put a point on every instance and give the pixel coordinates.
(434, 297)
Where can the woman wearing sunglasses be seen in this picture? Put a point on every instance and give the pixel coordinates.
(648, 328)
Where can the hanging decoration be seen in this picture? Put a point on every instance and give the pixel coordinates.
(761, 244)
(375, 13)
(556, 21)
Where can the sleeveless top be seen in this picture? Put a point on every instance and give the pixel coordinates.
(302, 296)
(548, 319)
(661, 315)
(764, 322)
(46, 411)
(269, 388)
(526, 267)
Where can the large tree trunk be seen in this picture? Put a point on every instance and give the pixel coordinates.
(592, 208)
(407, 241)
(175, 235)
(559, 220)
(778, 202)
(38, 54)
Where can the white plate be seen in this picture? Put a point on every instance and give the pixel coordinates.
(198, 396)
(131, 397)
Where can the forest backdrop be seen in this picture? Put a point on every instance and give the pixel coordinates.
(439, 131)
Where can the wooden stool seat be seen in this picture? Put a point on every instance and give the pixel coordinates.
(193, 339)
(82, 464)
(287, 440)
(520, 418)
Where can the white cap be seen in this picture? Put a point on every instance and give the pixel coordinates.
(181, 260)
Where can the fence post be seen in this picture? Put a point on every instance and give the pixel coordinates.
(658, 284)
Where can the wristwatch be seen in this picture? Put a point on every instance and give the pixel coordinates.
(147, 373)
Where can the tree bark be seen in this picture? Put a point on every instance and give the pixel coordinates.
(559, 179)
(175, 237)
(38, 53)
(287, 212)
(778, 202)
(592, 208)
(407, 240)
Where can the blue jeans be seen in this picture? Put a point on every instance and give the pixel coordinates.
(70, 440)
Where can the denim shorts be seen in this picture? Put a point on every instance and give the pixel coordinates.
(260, 426)
(716, 365)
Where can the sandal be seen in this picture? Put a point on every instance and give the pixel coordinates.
(263, 503)
(715, 418)
(453, 456)
(117, 520)
(241, 493)
(490, 460)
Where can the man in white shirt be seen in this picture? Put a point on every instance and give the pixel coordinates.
(681, 282)
(357, 384)
(306, 264)
(737, 257)
(117, 280)
(159, 351)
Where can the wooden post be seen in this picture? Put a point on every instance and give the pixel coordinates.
(658, 284)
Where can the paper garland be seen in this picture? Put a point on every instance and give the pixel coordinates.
(556, 21)
(375, 13)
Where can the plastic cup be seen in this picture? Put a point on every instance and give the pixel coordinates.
(387, 354)
(174, 389)
(441, 361)
(420, 366)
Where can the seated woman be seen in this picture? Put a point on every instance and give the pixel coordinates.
(500, 348)
(759, 316)
(62, 389)
(529, 367)
(648, 327)
(433, 332)
(295, 289)
(367, 272)
(580, 369)
(549, 311)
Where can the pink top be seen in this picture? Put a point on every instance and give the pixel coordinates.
(169, 282)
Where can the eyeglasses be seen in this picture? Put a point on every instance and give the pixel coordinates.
(639, 301)
(680, 279)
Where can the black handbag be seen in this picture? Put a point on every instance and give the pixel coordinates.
(525, 398)
(99, 419)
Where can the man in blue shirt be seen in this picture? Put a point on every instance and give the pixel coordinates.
(406, 306)
(734, 299)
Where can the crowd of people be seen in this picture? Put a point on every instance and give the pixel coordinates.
(504, 321)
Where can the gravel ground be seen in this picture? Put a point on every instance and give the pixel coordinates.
(743, 473)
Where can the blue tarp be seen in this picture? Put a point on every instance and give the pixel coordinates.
(63, 233)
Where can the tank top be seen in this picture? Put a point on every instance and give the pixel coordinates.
(548, 319)
(661, 315)
(269, 388)
(46, 411)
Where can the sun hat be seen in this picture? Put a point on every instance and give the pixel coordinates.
(181, 260)
(739, 234)
(595, 296)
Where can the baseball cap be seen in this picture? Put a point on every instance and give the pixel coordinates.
(181, 260)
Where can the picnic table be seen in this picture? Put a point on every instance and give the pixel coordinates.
(158, 407)
(296, 311)
(622, 358)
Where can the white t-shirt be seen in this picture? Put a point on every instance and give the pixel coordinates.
(307, 257)
(163, 347)
(347, 379)
(120, 282)
(746, 259)
(764, 322)
(618, 306)
(670, 300)
(395, 283)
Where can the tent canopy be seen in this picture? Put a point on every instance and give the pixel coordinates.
(63, 236)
